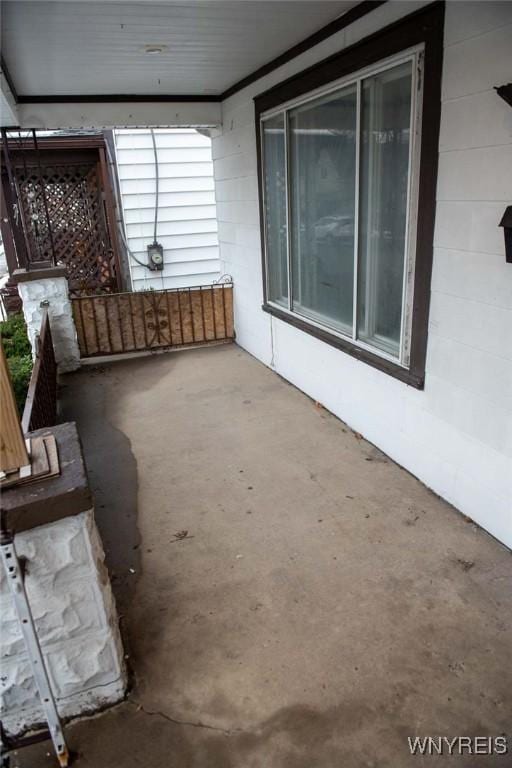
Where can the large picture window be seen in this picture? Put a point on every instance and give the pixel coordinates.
(340, 170)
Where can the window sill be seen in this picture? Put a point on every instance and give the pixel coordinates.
(386, 366)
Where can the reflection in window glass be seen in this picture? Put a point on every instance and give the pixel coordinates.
(275, 209)
(322, 202)
(385, 137)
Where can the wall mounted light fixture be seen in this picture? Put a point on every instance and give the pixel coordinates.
(505, 91)
(506, 223)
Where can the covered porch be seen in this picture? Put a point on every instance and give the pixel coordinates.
(290, 596)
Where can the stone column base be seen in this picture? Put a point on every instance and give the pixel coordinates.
(69, 593)
(71, 601)
(49, 287)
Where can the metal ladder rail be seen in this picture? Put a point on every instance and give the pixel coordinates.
(16, 581)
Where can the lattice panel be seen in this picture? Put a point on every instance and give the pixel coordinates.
(77, 225)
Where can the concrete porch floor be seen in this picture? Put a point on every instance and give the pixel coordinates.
(322, 605)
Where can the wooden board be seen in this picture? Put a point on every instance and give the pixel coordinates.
(44, 463)
(13, 451)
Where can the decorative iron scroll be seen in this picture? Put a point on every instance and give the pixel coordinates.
(148, 320)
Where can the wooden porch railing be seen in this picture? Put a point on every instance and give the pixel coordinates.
(41, 403)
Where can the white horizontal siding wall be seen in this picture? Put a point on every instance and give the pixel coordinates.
(3, 279)
(3, 262)
(187, 217)
(456, 434)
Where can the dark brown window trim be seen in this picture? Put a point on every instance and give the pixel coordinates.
(346, 346)
(423, 26)
(360, 10)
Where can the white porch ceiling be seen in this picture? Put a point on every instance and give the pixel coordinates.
(55, 48)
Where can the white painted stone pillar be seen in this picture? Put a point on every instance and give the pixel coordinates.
(73, 608)
(66, 580)
(49, 288)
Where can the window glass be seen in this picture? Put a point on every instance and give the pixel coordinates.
(322, 203)
(336, 180)
(275, 209)
(385, 138)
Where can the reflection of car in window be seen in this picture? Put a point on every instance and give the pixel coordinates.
(330, 227)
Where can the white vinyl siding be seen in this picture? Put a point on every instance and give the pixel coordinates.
(3, 262)
(187, 217)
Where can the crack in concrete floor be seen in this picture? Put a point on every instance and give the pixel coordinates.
(199, 724)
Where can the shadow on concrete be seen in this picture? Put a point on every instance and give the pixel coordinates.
(112, 470)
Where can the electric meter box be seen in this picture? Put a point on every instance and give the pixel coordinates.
(155, 256)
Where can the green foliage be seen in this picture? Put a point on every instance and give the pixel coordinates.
(19, 356)
(21, 370)
(14, 336)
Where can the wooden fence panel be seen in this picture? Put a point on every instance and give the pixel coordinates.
(112, 324)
